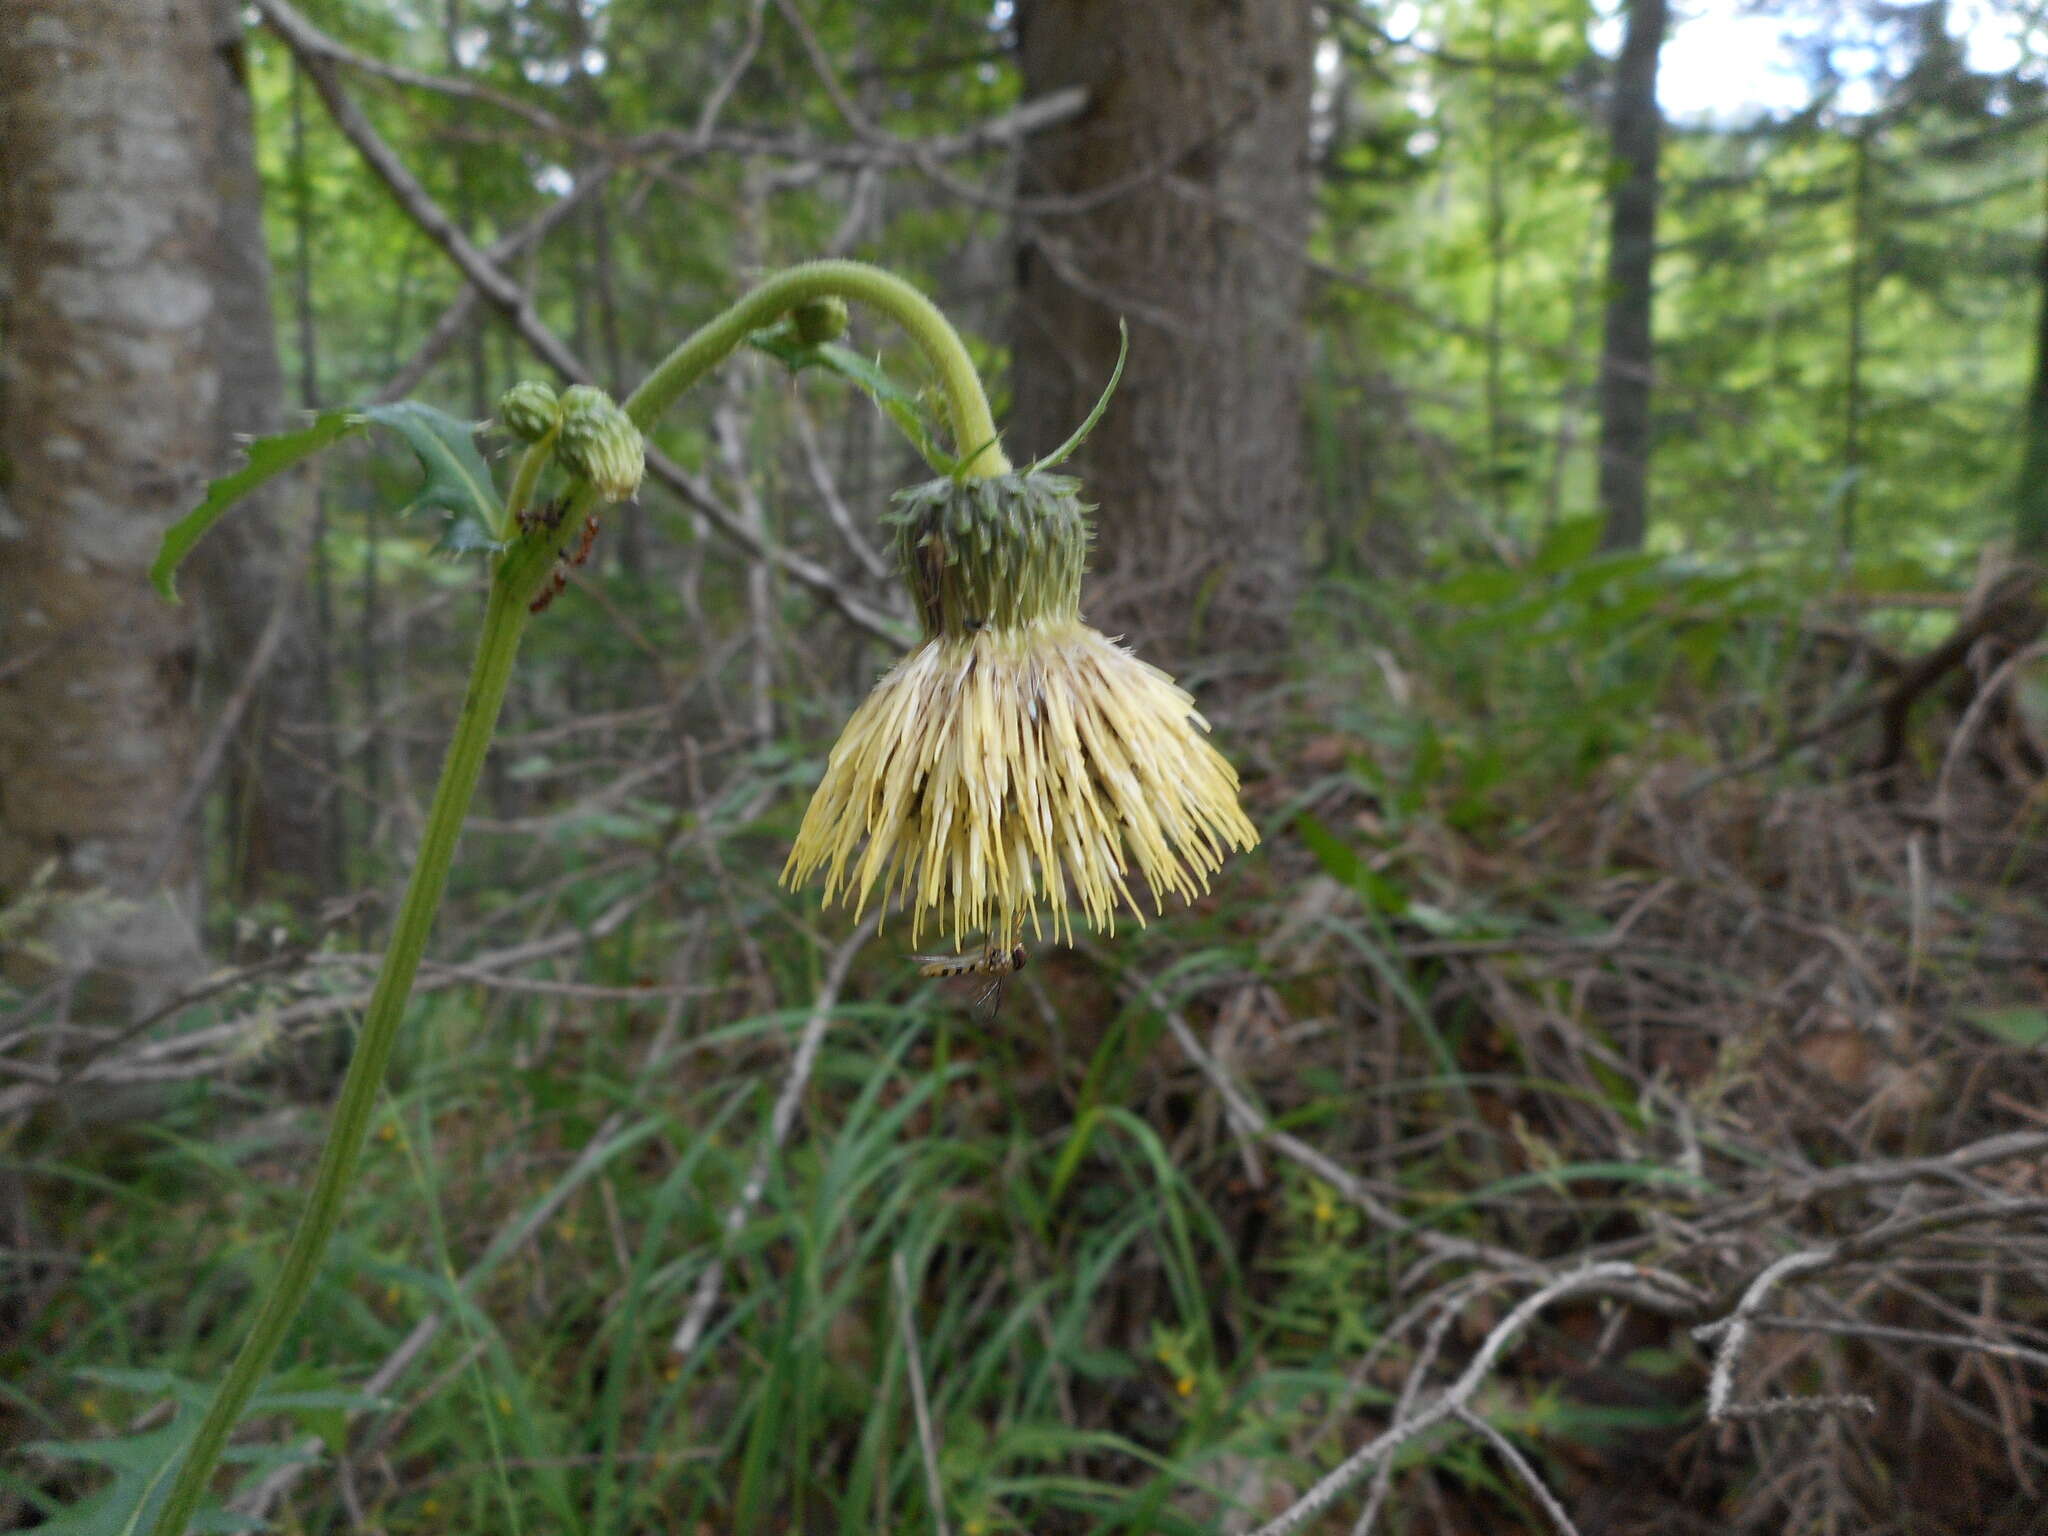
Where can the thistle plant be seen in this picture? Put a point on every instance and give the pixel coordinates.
(1016, 759)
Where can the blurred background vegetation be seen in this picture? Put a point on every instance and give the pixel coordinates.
(1606, 538)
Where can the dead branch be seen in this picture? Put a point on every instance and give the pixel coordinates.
(2008, 598)
(1592, 1280)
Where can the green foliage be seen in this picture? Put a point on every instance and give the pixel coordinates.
(1541, 675)
(1471, 198)
(456, 482)
(142, 1461)
(268, 457)
(2026, 1028)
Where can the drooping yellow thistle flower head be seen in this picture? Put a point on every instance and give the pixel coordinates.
(1017, 761)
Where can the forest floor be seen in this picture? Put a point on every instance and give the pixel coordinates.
(1612, 1099)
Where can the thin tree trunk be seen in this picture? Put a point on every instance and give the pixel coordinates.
(1626, 355)
(370, 617)
(1570, 390)
(1852, 404)
(1496, 276)
(2030, 525)
(1202, 106)
(480, 392)
(276, 792)
(329, 749)
(108, 218)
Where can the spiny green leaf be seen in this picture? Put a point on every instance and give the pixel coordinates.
(268, 457)
(457, 480)
(143, 1466)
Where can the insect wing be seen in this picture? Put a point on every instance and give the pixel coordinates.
(990, 1003)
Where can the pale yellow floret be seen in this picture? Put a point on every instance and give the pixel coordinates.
(991, 778)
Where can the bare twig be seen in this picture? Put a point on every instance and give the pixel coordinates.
(1593, 1279)
(1451, 1301)
(731, 433)
(1849, 1329)
(705, 137)
(696, 494)
(1966, 732)
(691, 1329)
(1519, 1465)
(1735, 1330)
(213, 1049)
(1895, 703)
(1249, 1119)
(827, 487)
(923, 158)
(735, 70)
(461, 311)
(1879, 1173)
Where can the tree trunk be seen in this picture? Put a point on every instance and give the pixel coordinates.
(1201, 106)
(2030, 523)
(277, 798)
(1852, 402)
(1625, 356)
(108, 222)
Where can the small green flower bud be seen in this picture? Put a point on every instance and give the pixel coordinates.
(600, 443)
(528, 410)
(818, 321)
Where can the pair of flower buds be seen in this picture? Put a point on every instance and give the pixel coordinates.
(594, 439)
(1017, 761)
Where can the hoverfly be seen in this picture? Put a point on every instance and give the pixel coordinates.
(995, 962)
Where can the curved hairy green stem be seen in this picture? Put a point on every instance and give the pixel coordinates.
(967, 411)
(504, 619)
(522, 569)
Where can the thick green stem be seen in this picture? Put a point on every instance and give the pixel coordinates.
(504, 619)
(967, 412)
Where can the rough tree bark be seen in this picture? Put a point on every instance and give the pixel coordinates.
(108, 220)
(1201, 108)
(1625, 354)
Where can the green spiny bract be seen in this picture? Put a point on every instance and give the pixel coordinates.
(529, 410)
(992, 553)
(600, 444)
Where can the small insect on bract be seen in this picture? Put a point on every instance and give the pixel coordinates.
(995, 961)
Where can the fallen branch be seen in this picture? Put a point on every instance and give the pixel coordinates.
(2006, 598)
(1594, 1279)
